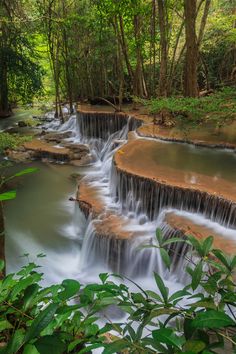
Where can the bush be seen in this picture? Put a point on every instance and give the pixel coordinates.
(12, 141)
(63, 318)
(218, 106)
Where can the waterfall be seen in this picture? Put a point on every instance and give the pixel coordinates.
(153, 196)
(138, 203)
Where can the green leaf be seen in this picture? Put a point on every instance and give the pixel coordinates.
(194, 346)
(196, 275)
(8, 195)
(30, 349)
(4, 324)
(29, 295)
(103, 277)
(172, 240)
(23, 284)
(41, 322)
(167, 336)
(154, 295)
(50, 345)
(16, 342)
(26, 172)
(2, 265)
(161, 286)
(116, 347)
(222, 257)
(71, 288)
(91, 330)
(196, 245)
(179, 295)
(212, 319)
(207, 244)
(233, 263)
(159, 236)
(165, 257)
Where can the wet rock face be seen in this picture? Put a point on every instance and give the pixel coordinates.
(57, 137)
(102, 124)
(154, 196)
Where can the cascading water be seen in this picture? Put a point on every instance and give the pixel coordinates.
(138, 204)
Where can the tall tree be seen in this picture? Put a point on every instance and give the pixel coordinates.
(20, 75)
(163, 22)
(191, 59)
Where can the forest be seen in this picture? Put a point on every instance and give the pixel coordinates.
(118, 50)
(117, 176)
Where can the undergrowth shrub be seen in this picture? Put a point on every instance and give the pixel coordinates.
(72, 318)
(12, 141)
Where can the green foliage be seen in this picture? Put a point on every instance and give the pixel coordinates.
(12, 141)
(218, 106)
(64, 318)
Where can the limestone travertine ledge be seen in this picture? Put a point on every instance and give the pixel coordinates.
(186, 227)
(168, 187)
(198, 137)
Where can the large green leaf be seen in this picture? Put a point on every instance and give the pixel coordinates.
(159, 236)
(23, 284)
(71, 288)
(115, 347)
(8, 195)
(194, 346)
(4, 324)
(163, 289)
(41, 322)
(196, 275)
(212, 319)
(207, 245)
(30, 349)
(165, 257)
(16, 342)
(26, 172)
(29, 295)
(167, 336)
(50, 345)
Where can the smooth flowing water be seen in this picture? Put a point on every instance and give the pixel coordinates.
(43, 220)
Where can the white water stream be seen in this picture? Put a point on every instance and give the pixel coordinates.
(73, 249)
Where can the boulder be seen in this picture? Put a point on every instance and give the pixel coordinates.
(57, 137)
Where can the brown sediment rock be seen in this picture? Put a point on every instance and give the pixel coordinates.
(19, 156)
(42, 149)
(57, 137)
(211, 137)
(89, 200)
(136, 157)
(107, 224)
(76, 154)
(156, 186)
(178, 136)
(187, 227)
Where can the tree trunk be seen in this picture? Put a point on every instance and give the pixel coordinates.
(162, 91)
(191, 61)
(203, 22)
(138, 89)
(4, 104)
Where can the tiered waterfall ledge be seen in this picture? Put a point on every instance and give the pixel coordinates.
(206, 136)
(157, 185)
(181, 226)
(107, 223)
